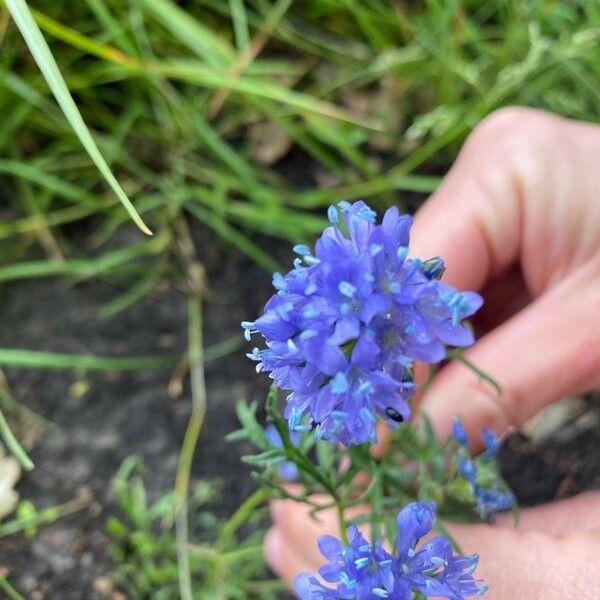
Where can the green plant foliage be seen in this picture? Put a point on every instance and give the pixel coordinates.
(194, 104)
(242, 117)
(20, 12)
(223, 564)
(415, 467)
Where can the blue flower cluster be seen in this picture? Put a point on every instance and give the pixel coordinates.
(490, 496)
(347, 322)
(361, 571)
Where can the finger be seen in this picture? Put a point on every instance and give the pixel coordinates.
(578, 514)
(504, 298)
(522, 563)
(291, 546)
(470, 221)
(491, 204)
(547, 351)
(282, 556)
(296, 522)
(532, 564)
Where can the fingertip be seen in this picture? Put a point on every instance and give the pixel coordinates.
(279, 508)
(455, 394)
(273, 545)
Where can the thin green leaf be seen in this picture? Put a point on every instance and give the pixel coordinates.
(233, 236)
(43, 57)
(9, 590)
(457, 354)
(13, 445)
(199, 38)
(33, 359)
(240, 23)
(142, 287)
(51, 183)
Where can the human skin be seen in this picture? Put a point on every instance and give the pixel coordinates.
(518, 218)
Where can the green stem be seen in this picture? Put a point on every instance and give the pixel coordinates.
(9, 590)
(211, 553)
(240, 516)
(296, 456)
(48, 515)
(304, 464)
(13, 445)
(182, 479)
(17, 358)
(342, 522)
(11, 407)
(243, 554)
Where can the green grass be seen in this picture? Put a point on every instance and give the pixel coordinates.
(25, 21)
(379, 96)
(224, 562)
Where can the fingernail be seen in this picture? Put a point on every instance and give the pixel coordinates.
(273, 545)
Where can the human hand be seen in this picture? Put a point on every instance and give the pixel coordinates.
(518, 217)
(553, 555)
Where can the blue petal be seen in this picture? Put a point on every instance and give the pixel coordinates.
(330, 547)
(414, 521)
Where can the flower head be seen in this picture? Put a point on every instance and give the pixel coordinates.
(492, 444)
(459, 434)
(347, 322)
(489, 494)
(492, 500)
(364, 571)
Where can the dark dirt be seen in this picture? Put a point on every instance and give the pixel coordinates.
(560, 466)
(131, 413)
(122, 413)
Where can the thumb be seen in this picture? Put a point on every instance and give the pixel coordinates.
(532, 564)
(549, 564)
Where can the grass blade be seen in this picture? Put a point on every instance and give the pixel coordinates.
(53, 184)
(43, 57)
(190, 441)
(13, 445)
(201, 73)
(34, 359)
(139, 290)
(240, 23)
(234, 237)
(9, 590)
(108, 262)
(200, 39)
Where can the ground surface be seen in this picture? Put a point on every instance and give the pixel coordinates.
(129, 413)
(122, 413)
